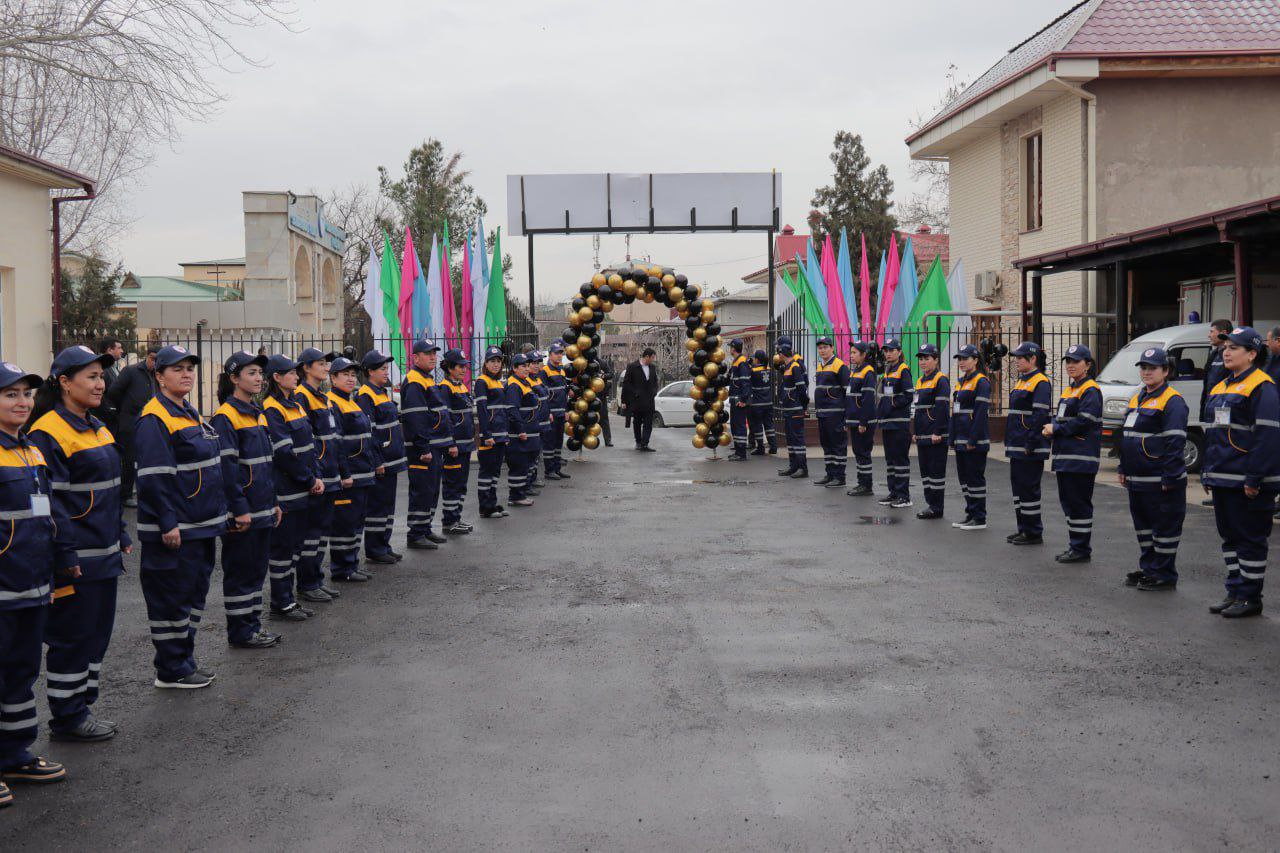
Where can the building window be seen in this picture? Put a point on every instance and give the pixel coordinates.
(1033, 181)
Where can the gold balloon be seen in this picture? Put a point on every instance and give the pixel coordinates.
(585, 313)
(593, 302)
(711, 369)
(584, 343)
(701, 382)
(702, 430)
(718, 355)
(568, 429)
(708, 317)
(571, 351)
(606, 306)
(668, 280)
(580, 363)
(574, 320)
(588, 395)
(656, 272)
(725, 439)
(648, 297)
(692, 345)
(683, 306)
(700, 334)
(591, 442)
(615, 280)
(629, 287)
(722, 394)
(580, 407)
(695, 392)
(717, 406)
(594, 430)
(597, 385)
(710, 418)
(699, 442)
(573, 417)
(598, 279)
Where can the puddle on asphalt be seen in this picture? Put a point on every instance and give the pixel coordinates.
(875, 519)
(689, 483)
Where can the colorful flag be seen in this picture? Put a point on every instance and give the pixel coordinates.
(844, 268)
(933, 297)
(904, 295)
(888, 283)
(495, 315)
(389, 283)
(446, 291)
(835, 296)
(372, 301)
(820, 322)
(813, 274)
(435, 292)
(408, 276)
(479, 290)
(422, 293)
(867, 321)
(465, 323)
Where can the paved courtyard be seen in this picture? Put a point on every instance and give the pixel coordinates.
(671, 653)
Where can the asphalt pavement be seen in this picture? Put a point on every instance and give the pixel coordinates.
(671, 653)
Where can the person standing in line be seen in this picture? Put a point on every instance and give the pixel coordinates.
(860, 401)
(331, 468)
(104, 412)
(1030, 405)
(760, 413)
(457, 398)
(127, 395)
(606, 396)
(1214, 372)
(793, 404)
(249, 485)
(894, 419)
(1153, 471)
(375, 398)
(364, 464)
(26, 580)
(1242, 467)
(970, 436)
(182, 510)
(1076, 432)
(83, 467)
(553, 379)
(536, 360)
(931, 421)
(427, 438)
(492, 419)
(525, 439)
(739, 400)
(639, 390)
(1273, 354)
(830, 384)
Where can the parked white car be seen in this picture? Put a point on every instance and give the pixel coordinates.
(673, 406)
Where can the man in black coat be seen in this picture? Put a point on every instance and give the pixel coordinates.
(639, 388)
(128, 394)
(606, 373)
(115, 349)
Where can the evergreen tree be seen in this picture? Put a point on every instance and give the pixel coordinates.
(89, 305)
(857, 199)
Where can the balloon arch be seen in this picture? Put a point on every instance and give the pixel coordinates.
(706, 354)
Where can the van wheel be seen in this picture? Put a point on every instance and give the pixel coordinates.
(1193, 452)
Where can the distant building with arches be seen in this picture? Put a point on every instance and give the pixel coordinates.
(293, 255)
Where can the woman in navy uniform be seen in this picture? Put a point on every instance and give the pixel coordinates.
(182, 509)
(296, 478)
(893, 416)
(1242, 467)
(427, 437)
(739, 400)
(1076, 431)
(457, 397)
(553, 379)
(830, 383)
(931, 421)
(534, 378)
(83, 466)
(860, 405)
(364, 463)
(525, 438)
(331, 468)
(375, 399)
(793, 400)
(760, 412)
(492, 421)
(27, 566)
(249, 484)
(1030, 404)
(1152, 438)
(970, 438)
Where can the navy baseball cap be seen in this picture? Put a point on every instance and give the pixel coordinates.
(240, 360)
(11, 374)
(373, 360)
(736, 344)
(1078, 352)
(455, 356)
(171, 355)
(967, 351)
(556, 346)
(280, 364)
(533, 356)
(1026, 349)
(311, 354)
(425, 345)
(860, 346)
(519, 359)
(784, 343)
(1153, 357)
(927, 349)
(340, 364)
(825, 340)
(892, 343)
(493, 352)
(761, 355)
(72, 359)
(1247, 337)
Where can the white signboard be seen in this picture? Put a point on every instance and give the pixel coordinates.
(637, 202)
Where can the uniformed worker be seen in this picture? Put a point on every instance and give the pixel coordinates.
(364, 461)
(525, 438)
(182, 509)
(492, 420)
(1242, 467)
(860, 417)
(760, 411)
(27, 566)
(83, 466)
(1025, 446)
(456, 396)
(553, 379)
(249, 485)
(331, 468)
(375, 398)
(1076, 431)
(793, 401)
(534, 377)
(830, 385)
(739, 400)
(893, 417)
(427, 436)
(970, 436)
(930, 424)
(1152, 437)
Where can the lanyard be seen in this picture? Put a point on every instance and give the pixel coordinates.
(33, 470)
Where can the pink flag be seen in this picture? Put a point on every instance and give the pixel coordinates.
(866, 292)
(467, 324)
(890, 285)
(409, 273)
(835, 297)
(446, 293)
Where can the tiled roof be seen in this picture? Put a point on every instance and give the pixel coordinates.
(1179, 26)
(152, 287)
(223, 262)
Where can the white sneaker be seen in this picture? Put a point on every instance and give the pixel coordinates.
(901, 503)
(971, 525)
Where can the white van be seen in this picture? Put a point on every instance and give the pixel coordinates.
(1188, 347)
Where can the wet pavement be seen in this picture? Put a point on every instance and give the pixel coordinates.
(668, 653)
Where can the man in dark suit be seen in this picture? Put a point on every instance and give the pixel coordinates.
(128, 394)
(606, 373)
(639, 388)
(106, 413)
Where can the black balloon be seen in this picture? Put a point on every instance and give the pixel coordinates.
(595, 340)
(682, 279)
(586, 289)
(690, 293)
(700, 406)
(597, 317)
(578, 303)
(652, 282)
(713, 329)
(700, 357)
(694, 370)
(692, 323)
(640, 276)
(627, 300)
(695, 307)
(591, 418)
(605, 292)
(569, 335)
(588, 328)
(711, 341)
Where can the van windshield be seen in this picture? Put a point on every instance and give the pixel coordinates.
(1121, 370)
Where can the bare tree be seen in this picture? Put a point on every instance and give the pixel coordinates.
(932, 205)
(363, 213)
(96, 85)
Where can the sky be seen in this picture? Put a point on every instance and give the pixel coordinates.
(537, 86)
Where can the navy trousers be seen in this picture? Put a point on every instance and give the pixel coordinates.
(862, 442)
(552, 444)
(21, 631)
(344, 536)
(245, 562)
(1157, 521)
(932, 459)
(424, 495)
(1024, 481)
(1245, 526)
(175, 583)
(835, 450)
(760, 419)
(286, 551)
(738, 425)
(315, 539)
(77, 634)
(793, 430)
(971, 469)
(380, 515)
(489, 462)
(1075, 494)
(897, 462)
(520, 465)
(456, 471)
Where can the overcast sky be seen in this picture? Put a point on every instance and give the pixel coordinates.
(568, 86)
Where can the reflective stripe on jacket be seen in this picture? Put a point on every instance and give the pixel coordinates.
(1242, 433)
(1152, 438)
(1077, 429)
(248, 473)
(179, 473)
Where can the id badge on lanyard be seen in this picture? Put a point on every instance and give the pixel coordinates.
(955, 406)
(1131, 420)
(1222, 416)
(1062, 408)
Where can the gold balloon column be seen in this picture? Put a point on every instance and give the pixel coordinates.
(706, 354)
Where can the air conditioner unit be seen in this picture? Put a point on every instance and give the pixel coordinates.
(985, 284)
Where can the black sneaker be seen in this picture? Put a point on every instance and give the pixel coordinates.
(800, 474)
(860, 492)
(89, 731)
(836, 484)
(563, 476)
(294, 612)
(1027, 539)
(260, 640)
(385, 559)
(437, 538)
(397, 555)
(1135, 578)
(759, 451)
(928, 514)
(648, 449)
(317, 595)
(773, 451)
(736, 458)
(1071, 555)
(1158, 585)
(1222, 605)
(194, 681)
(826, 479)
(38, 772)
(332, 593)
(1012, 536)
(782, 472)
(1243, 609)
(364, 573)
(423, 544)
(887, 501)
(522, 502)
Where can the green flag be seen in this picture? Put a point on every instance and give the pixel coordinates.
(812, 307)
(933, 296)
(390, 284)
(495, 315)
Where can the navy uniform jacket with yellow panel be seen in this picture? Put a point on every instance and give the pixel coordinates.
(1030, 405)
(860, 397)
(761, 387)
(522, 412)
(1152, 438)
(740, 380)
(457, 398)
(1244, 446)
(248, 475)
(26, 560)
(932, 414)
(492, 409)
(970, 429)
(553, 379)
(387, 430)
(294, 449)
(894, 411)
(793, 390)
(1077, 429)
(331, 465)
(830, 384)
(356, 440)
(425, 416)
(179, 473)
